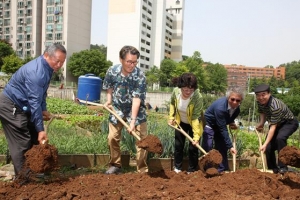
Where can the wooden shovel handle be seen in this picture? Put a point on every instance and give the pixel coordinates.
(234, 146)
(188, 137)
(113, 113)
(261, 153)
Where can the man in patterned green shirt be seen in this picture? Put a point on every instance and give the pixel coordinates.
(125, 85)
(282, 124)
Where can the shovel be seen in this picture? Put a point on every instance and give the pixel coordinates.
(213, 158)
(189, 138)
(233, 136)
(262, 155)
(46, 128)
(150, 143)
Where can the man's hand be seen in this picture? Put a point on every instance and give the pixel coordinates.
(259, 128)
(131, 126)
(46, 116)
(233, 126)
(233, 150)
(42, 138)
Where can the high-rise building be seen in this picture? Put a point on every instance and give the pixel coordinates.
(154, 27)
(31, 25)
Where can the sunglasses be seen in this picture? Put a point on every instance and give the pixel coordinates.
(237, 100)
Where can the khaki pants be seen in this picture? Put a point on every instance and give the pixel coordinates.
(114, 138)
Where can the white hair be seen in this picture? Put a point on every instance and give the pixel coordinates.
(237, 90)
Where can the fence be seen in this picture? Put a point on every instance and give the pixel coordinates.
(64, 93)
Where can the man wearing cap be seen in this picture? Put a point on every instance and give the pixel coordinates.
(282, 124)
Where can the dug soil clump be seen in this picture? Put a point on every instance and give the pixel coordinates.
(211, 160)
(290, 155)
(151, 143)
(41, 158)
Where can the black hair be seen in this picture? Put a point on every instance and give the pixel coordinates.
(128, 49)
(186, 80)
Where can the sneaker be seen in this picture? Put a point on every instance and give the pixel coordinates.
(177, 170)
(189, 172)
(283, 170)
(114, 170)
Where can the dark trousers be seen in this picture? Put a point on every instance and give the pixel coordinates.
(179, 146)
(19, 131)
(213, 138)
(279, 140)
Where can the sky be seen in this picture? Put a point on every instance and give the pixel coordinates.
(254, 33)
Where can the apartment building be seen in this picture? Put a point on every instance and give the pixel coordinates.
(31, 25)
(154, 27)
(239, 75)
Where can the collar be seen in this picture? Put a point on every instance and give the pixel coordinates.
(44, 62)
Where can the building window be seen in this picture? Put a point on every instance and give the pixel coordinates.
(58, 36)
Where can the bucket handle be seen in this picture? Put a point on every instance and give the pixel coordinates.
(89, 75)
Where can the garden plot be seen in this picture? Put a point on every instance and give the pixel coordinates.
(242, 184)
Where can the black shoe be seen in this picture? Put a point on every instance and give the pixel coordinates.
(283, 170)
(275, 170)
(41, 176)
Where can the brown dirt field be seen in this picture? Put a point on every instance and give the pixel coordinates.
(242, 184)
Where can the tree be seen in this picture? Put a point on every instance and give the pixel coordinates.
(217, 78)
(292, 71)
(88, 61)
(11, 64)
(5, 50)
(195, 65)
(269, 66)
(152, 76)
(247, 105)
(101, 48)
(27, 59)
(179, 70)
(167, 66)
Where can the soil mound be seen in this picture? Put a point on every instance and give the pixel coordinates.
(41, 158)
(211, 160)
(151, 143)
(290, 155)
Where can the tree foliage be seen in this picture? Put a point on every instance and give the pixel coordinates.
(5, 50)
(292, 73)
(217, 78)
(152, 76)
(88, 62)
(101, 48)
(167, 66)
(194, 64)
(11, 64)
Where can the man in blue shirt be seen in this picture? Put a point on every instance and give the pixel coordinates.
(125, 85)
(23, 103)
(221, 113)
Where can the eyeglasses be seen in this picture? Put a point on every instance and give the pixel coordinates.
(129, 62)
(186, 89)
(237, 100)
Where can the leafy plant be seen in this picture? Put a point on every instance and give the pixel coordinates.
(59, 106)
